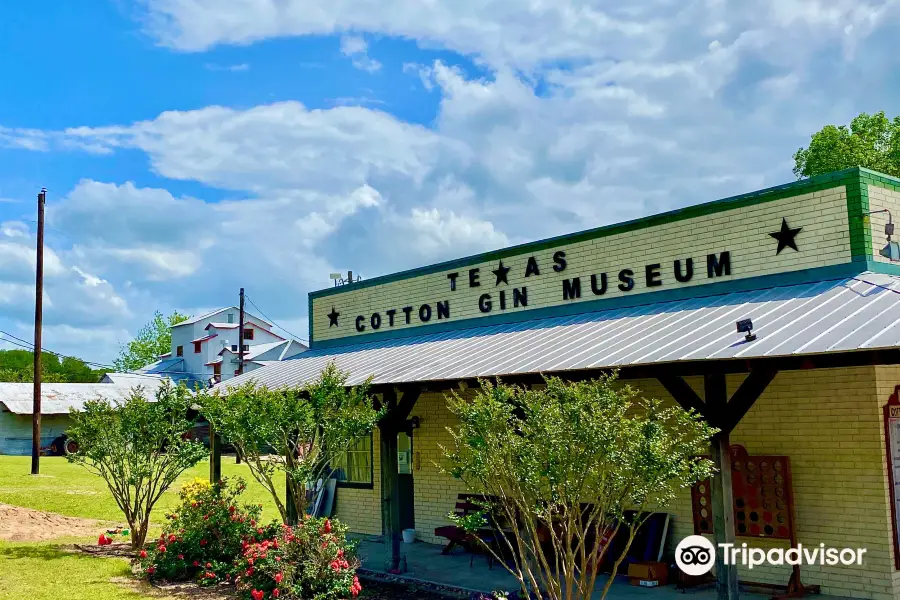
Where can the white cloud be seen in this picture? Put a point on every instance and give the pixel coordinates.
(357, 49)
(231, 68)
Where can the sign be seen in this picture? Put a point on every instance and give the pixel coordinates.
(892, 449)
(777, 236)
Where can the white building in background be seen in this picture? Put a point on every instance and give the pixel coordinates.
(205, 348)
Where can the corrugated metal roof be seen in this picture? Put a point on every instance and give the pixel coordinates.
(58, 398)
(213, 313)
(856, 313)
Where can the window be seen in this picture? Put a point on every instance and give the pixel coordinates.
(353, 468)
(234, 347)
(231, 317)
(179, 351)
(248, 334)
(217, 369)
(196, 347)
(246, 347)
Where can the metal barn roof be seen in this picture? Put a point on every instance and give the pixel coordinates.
(856, 313)
(58, 398)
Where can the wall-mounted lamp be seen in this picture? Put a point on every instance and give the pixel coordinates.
(746, 326)
(415, 422)
(891, 250)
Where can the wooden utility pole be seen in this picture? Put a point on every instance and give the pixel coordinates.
(241, 336)
(38, 320)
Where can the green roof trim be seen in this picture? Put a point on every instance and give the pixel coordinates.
(857, 211)
(796, 188)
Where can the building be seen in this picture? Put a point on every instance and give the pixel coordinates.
(205, 348)
(16, 403)
(659, 299)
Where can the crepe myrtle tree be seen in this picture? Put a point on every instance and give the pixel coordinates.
(560, 465)
(294, 431)
(139, 448)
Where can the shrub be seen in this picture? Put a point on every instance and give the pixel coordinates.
(205, 535)
(310, 561)
(295, 431)
(139, 448)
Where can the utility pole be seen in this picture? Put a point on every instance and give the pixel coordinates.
(241, 336)
(38, 321)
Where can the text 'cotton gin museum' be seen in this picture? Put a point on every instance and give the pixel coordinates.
(774, 314)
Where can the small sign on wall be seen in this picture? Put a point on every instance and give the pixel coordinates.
(892, 450)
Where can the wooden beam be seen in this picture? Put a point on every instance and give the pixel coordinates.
(722, 498)
(743, 399)
(215, 456)
(683, 394)
(390, 497)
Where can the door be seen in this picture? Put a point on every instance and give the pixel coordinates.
(405, 478)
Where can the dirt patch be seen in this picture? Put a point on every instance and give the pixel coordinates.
(19, 524)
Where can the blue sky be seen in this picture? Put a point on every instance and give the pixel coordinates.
(191, 147)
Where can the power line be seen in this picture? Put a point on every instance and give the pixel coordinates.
(17, 341)
(271, 320)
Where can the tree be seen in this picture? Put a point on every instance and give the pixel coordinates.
(561, 465)
(151, 341)
(138, 448)
(18, 366)
(871, 141)
(295, 431)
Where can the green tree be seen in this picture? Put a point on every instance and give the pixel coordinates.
(297, 431)
(18, 366)
(562, 465)
(152, 340)
(139, 448)
(871, 141)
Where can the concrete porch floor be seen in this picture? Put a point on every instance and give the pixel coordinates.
(424, 562)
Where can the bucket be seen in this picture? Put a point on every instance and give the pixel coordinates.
(409, 536)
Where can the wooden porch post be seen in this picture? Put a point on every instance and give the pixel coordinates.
(722, 498)
(215, 456)
(390, 425)
(390, 506)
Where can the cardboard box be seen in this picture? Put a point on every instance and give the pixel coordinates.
(648, 574)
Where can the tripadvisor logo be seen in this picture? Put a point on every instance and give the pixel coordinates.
(695, 555)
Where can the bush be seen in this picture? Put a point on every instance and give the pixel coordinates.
(139, 447)
(205, 535)
(310, 561)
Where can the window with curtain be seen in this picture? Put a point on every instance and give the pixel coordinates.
(354, 467)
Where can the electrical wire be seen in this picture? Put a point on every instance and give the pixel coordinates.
(297, 337)
(17, 341)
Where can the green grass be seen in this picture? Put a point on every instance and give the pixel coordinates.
(49, 572)
(74, 491)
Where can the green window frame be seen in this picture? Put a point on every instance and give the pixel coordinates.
(354, 467)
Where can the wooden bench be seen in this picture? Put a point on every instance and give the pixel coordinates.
(466, 505)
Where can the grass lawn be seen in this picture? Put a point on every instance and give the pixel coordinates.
(47, 572)
(72, 490)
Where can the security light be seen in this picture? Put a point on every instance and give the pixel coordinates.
(746, 326)
(891, 250)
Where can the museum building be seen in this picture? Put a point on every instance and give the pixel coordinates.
(775, 314)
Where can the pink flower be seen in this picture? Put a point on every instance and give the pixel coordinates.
(278, 559)
(143, 554)
(257, 594)
(151, 570)
(249, 571)
(231, 509)
(209, 565)
(171, 537)
(327, 527)
(279, 577)
(276, 592)
(196, 563)
(181, 557)
(162, 549)
(203, 542)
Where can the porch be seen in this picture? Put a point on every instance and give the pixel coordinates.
(467, 573)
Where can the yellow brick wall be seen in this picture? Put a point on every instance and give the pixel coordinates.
(361, 508)
(828, 422)
(881, 198)
(744, 232)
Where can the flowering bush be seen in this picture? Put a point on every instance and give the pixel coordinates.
(205, 535)
(310, 561)
(193, 488)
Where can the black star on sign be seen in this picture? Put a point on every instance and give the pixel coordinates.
(501, 272)
(332, 317)
(786, 236)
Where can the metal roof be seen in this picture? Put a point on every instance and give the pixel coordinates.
(856, 313)
(58, 398)
(212, 313)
